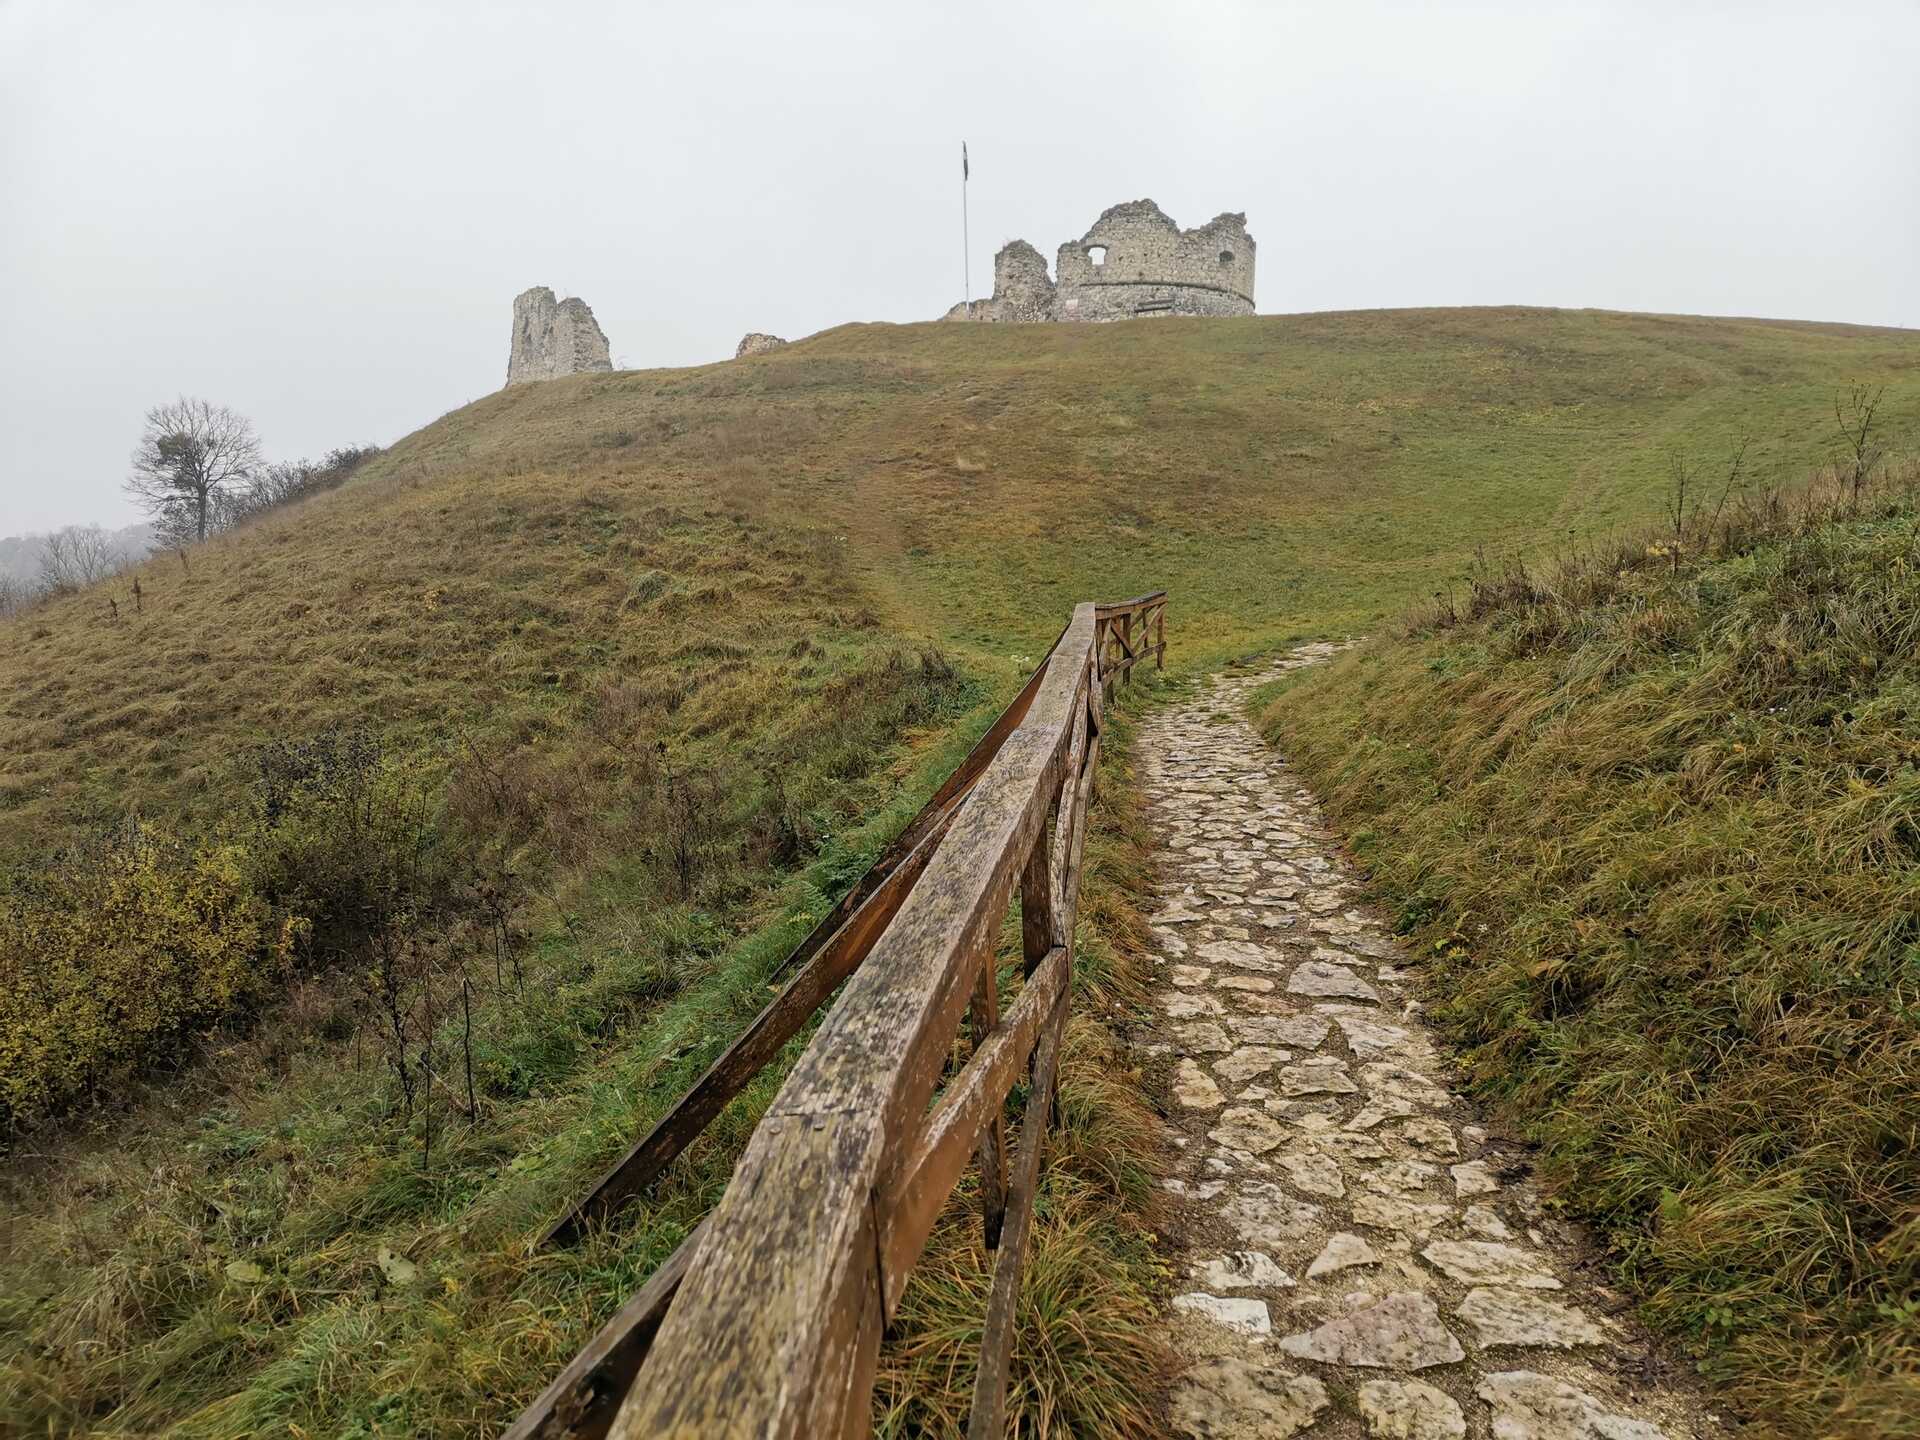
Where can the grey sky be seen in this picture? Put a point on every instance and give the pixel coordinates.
(320, 213)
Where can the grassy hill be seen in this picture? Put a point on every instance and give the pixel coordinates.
(668, 654)
(1280, 476)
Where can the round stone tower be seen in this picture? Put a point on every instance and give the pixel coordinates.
(1136, 262)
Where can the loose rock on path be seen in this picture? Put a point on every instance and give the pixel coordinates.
(1361, 1258)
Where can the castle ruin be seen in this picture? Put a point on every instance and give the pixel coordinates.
(1134, 262)
(553, 339)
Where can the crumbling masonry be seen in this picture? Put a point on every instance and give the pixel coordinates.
(1134, 262)
(551, 340)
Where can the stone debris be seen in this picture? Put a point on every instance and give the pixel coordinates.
(1402, 1331)
(1312, 1125)
(1517, 1317)
(1242, 1270)
(1527, 1406)
(1235, 1312)
(1409, 1410)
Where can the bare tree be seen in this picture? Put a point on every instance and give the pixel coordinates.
(14, 596)
(1853, 421)
(75, 557)
(190, 456)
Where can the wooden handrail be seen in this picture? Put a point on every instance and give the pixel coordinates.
(767, 1321)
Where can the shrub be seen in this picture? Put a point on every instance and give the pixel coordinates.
(118, 950)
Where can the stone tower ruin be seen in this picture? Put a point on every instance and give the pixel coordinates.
(553, 339)
(1134, 262)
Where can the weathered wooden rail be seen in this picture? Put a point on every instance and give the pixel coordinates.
(767, 1320)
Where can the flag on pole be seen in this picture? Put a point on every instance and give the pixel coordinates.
(963, 160)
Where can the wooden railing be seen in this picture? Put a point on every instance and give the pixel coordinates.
(767, 1320)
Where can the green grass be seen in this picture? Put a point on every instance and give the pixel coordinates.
(1653, 818)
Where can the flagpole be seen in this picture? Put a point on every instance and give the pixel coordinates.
(966, 243)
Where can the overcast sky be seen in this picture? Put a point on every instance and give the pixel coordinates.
(319, 213)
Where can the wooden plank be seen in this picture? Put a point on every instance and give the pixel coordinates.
(778, 1023)
(988, 1419)
(580, 1403)
(761, 1337)
(1108, 609)
(910, 1203)
(982, 1016)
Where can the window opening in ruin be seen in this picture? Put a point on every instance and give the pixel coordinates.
(1097, 254)
(1226, 257)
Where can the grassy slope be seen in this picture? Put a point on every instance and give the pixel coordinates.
(1657, 825)
(1280, 476)
(658, 545)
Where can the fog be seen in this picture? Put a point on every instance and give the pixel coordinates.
(320, 214)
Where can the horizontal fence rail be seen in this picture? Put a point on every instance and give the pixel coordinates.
(767, 1320)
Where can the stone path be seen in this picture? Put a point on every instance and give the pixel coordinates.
(1361, 1257)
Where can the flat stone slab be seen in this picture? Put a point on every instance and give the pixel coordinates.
(1488, 1262)
(1239, 1313)
(1402, 1331)
(1190, 1005)
(1300, 1032)
(1250, 1062)
(1518, 1317)
(1527, 1406)
(1323, 977)
(1242, 1127)
(1342, 1252)
(1473, 1178)
(1203, 1037)
(1409, 1410)
(1268, 1218)
(1312, 1172)
(1243, 1270)
(1244, 953)
(1233, 1399)
(1194, 1088)
(1392, 1212)
(1323, 1075)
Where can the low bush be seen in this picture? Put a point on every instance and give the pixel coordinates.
(114, 952)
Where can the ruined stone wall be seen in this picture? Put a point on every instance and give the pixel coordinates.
(1150, 266)
(1147, 266)
(755, 342)
(553, 339)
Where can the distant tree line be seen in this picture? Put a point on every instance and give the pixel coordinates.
(197, 472)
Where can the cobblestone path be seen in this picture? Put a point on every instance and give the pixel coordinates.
(1361, 1257)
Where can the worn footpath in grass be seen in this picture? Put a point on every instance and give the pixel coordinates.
(1654, 815)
